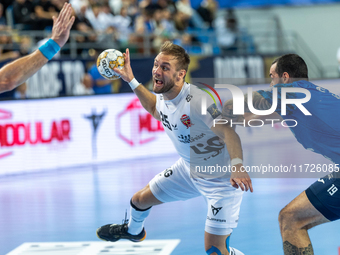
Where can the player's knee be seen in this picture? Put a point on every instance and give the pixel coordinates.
(137, 200)
(140, 200)
(287, 220)
(283, 216)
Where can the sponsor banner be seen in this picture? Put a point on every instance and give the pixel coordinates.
(241, 68)
(63, 132)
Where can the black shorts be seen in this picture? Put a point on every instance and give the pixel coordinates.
(324, 194)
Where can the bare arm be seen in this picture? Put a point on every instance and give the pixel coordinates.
(15, 73)
(238, 177)
(147, 99)
(259, 103)
(18, 71)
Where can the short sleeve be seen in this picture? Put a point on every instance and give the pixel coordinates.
(212, 110)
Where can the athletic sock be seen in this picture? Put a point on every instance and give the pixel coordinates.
(234, 251)
(231, 250)
(137, 218)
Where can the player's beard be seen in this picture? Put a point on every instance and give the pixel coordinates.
(167, 86)
(280, 81)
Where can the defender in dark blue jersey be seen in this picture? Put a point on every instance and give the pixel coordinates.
(318, 132)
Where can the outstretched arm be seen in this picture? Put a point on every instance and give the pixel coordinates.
(18, 71)
(239, 178)
(147, 99)
(259, 103)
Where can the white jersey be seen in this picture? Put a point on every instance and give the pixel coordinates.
(190, 131)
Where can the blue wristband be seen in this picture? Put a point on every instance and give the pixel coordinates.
(49, 49)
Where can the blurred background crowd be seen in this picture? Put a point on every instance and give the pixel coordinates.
(100, 24)
(121, 23)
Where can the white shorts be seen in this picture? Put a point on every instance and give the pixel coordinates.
(223, 200)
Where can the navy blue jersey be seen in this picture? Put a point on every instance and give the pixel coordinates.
(319, 132)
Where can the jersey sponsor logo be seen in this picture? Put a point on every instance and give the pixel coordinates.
(321, 89)
(197, 137)
(188, 98)
(215, 210)
(168, 172)
(184, 138)
(213, 147)
(188, 139)
(217, 220)
(321, 180)
(174, 126)
(185, 119)
(214, 112)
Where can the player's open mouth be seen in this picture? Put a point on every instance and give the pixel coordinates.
(158, 82)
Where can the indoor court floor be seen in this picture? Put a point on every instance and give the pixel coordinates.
(68, 205)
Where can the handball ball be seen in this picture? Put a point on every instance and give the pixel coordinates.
(107, 60)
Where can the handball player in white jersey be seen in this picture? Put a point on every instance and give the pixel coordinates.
(177, 105)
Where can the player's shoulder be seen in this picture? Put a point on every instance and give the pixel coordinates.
(193, 96)
(194, 93)
(199, 98)
(297, 84)
(314, 88)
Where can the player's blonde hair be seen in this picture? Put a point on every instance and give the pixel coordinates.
(182, 57)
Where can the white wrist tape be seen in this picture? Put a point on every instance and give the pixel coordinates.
(236, 161)
(134, 83)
